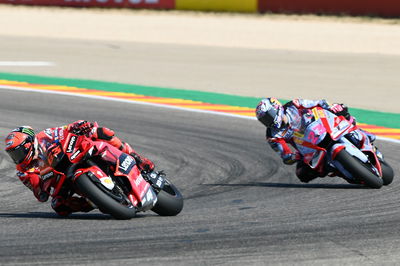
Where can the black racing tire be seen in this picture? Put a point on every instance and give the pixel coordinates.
(359, 170)
(387, 173)
(103, 201)
(169, 201)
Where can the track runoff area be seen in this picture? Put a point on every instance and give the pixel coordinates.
(217, 104)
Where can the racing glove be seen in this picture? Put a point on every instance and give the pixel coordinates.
(81, 127)
(340, 110)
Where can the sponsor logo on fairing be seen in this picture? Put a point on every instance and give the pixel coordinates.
(48, 132)
(126, 163)
(61, 133)
(47, 176)
(73, 156)
(71, 144)
(107, 182)
(138, 180)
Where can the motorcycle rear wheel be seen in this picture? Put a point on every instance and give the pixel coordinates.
(103, 201)
(359, 170)
(169, 201)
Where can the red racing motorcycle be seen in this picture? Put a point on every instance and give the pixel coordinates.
(108, 178)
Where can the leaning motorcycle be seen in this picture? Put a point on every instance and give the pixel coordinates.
(107, 178)
(325, 143)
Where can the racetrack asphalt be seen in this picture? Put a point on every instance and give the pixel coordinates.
(242, 205)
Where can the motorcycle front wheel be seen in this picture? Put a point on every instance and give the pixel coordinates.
(387, 173)
(169, 201)
(359, 170)
(110, 202)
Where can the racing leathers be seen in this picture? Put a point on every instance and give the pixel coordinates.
(279, 138)
(65, 203)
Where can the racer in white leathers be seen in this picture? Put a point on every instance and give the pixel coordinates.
(283, 120)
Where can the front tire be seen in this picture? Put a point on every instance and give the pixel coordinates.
(103, 201)
(387, 173)
(359, 170)
(169, 201)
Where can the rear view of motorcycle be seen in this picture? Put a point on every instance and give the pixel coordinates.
(331, 144)
(109, 179)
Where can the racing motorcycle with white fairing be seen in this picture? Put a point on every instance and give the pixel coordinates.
(326, 144)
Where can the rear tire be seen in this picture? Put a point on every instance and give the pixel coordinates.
(387, 172)
(169, 201)
(359, 170)
(103, 201)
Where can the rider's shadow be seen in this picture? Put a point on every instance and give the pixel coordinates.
(291, 185)
(52, 215)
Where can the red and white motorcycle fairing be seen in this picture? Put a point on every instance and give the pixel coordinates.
(323, 137)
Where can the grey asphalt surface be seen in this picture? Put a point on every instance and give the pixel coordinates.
(242, 205)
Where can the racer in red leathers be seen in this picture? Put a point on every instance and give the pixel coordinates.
(283, 120)
(28, 152)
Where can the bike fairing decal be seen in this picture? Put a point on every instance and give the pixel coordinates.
(47, 176)
(126, 163)
(73, 156)
(175, 103)
(71, 144)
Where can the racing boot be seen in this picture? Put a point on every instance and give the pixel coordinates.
(65, 207)
(143, 163)
(109, 136)
(305, 173)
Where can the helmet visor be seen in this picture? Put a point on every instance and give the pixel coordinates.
(18, 154)
(269, 117)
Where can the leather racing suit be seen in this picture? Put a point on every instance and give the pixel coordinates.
(279, 138)
(65, 203)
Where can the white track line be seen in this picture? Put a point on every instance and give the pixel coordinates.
(150, 104)
(26, 63)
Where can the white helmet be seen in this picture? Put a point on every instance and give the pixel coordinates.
(270, 112)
